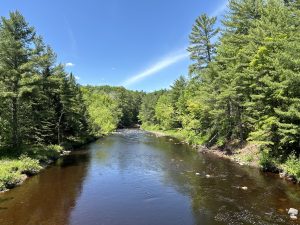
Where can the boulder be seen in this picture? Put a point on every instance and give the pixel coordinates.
(293, 211)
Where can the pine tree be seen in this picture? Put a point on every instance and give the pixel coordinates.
(202, 47)
(16, 71)
(274, 106)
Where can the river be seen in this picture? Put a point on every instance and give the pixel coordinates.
(135, 178)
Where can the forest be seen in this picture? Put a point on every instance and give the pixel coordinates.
(243, 87)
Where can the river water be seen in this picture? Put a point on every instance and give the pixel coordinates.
(135, 178)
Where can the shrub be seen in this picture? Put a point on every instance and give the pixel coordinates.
(9, 174)
(44, 153)
(292, 166)
(267, 162)
(29, 166)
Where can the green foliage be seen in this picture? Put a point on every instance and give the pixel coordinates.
(8, 177)
(202, 49)
(147, 111)
(292, 166)
(266, 161)
(104, 113)
(28, 166)
(44, 153)
(110, 108)
(165, 112)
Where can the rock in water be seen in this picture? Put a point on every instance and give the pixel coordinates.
(293, 217)
(244, 188)
(198, 174)
(282, 175)
(207, 176)
(293, 211)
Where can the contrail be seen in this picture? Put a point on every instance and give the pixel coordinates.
(160, 65)
(168, 61)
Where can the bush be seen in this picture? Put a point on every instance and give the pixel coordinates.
(29, 166)
(9, 174)
(267, 162)
(292, 166)
(44, 153)
(54, 151)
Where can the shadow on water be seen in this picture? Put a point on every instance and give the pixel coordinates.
(134, 178)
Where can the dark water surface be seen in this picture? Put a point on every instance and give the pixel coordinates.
(134, 178)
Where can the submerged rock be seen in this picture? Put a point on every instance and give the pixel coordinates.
(197, 174)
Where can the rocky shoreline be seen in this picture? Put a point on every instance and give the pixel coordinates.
(244, 155)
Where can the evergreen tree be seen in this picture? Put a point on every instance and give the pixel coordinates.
(202, 47)
(16, 72)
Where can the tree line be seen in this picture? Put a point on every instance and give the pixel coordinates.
(111, 107)
(243, 84)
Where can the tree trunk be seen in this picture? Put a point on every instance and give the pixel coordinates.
(58, 126)
(15, 123)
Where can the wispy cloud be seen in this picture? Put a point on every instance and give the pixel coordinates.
(220, 9)
(77, 77)
(69, 64)
(158, 66)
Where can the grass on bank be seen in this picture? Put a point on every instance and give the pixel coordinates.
(14, 165)
(247, 155)
(17, 164)
(179, 134)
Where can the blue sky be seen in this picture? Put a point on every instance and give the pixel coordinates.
(140, 44)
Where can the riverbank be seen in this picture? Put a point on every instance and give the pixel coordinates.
(244, 154)
(17, 166)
